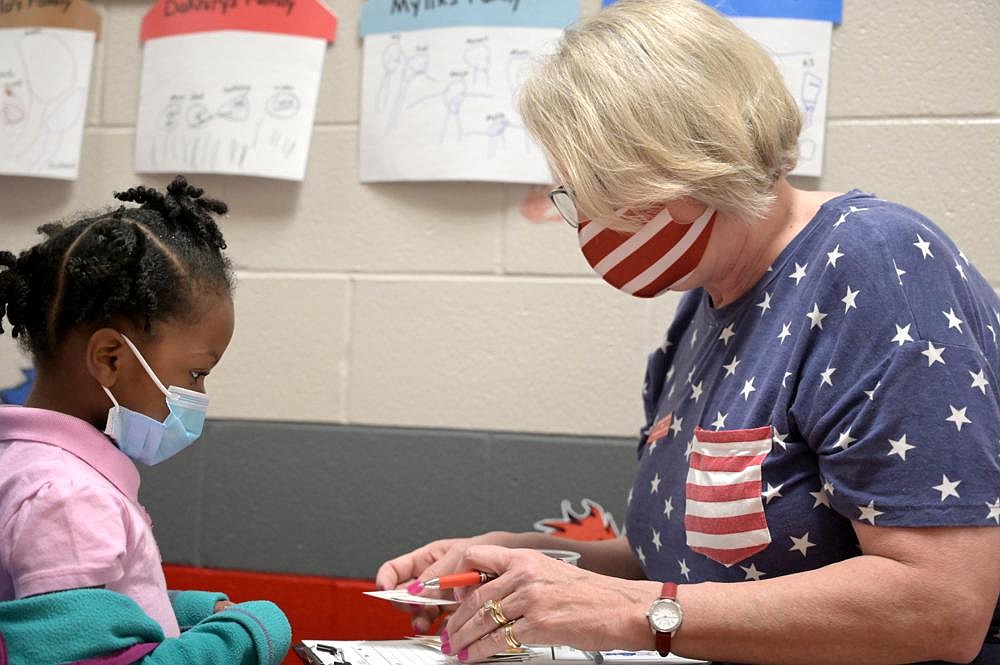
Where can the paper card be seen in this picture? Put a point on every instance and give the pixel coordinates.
(44, 80)
(439, 88)
(46, 52)
(401, 596)
(801, 49)
(72, 14)
(231, 87)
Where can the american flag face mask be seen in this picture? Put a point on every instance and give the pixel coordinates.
(652, 260)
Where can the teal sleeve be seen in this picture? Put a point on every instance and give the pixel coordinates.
(192, 607)
(254, 633)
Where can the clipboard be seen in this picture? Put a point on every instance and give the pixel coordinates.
(411, 652)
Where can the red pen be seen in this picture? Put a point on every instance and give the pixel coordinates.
(451, 581)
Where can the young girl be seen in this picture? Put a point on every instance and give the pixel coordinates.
(124, 315)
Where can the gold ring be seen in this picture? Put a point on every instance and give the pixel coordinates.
(492, 608)
(508, 633)
(498, 614)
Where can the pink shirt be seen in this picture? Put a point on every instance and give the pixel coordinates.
(70, 515)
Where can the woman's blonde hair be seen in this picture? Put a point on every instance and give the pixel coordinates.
(652, 100)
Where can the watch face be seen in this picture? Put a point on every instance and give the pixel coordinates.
(665, 615)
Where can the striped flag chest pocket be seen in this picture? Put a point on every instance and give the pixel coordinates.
(724, 518)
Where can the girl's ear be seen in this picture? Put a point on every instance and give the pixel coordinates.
(104, 353)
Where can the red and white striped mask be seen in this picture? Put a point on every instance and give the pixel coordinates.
(652, 260)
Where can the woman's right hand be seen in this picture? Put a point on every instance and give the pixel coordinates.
(439, 557)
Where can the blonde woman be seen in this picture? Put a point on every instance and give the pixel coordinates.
(818, 478)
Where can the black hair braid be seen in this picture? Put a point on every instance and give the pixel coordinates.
(142, 264)
(183, 208)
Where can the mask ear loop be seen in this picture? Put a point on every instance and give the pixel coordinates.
(145, 366)
(108, 393)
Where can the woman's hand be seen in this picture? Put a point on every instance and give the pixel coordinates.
(550, 602)
(432, 560)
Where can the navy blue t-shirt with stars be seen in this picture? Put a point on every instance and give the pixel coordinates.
(857, 381)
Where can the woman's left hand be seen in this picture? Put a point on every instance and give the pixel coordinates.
(549, 602)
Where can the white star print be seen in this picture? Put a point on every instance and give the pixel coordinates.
(652, 447)
(979, 381)
(845, 439)
(848, 300)
(828, 487)
(654, 484)
(961, 271)
(772, 492)
(668, 506)
(899, 273)
(656, 540)
(800, 272)
(685, 571)
(779, 439)
(958, 417)
(691, 375)
(642, 557)
(690, 448)
(831, 257)
(826, 376)
(962, 254)
(994, 513)
(670, 372)
(869, 512)
(629, 500)
(784, 378)
(696, 391)
(731, 367)
(923, 246)
(801, 544)
(748, 388)
(785, 332)
(676, 426)
(764, 304)
(841, 219)
(815, 317)
(726, 334)
(992, 332)
(934, 354)
(871, 393)
(902, 335)
(899, 447)
(948, 488)
(752, 573)
(694, 337)
(720, 420)
(670, 393)
(821, 498)
(953, 321)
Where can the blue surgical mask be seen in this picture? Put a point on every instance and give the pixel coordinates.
(150, 441)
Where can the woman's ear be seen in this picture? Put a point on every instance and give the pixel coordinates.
(104, 353)
(686, 209)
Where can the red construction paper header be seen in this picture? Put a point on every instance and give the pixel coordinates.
(73, 14)
(305, 18)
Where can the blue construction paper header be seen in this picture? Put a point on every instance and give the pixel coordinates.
(817, 10)
(381, 16)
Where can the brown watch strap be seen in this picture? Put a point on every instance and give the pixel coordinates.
(668, 592)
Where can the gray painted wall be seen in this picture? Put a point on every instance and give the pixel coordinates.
(338, 500)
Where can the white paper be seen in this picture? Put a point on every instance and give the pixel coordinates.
(44, 79)
(440, 104)
(232, 101)
(402, 596)
(801, 49)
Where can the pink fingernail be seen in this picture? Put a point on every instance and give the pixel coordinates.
(463, 655)
(415, 587)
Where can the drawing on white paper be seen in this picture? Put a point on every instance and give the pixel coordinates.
(251, 113)
(44, 77)
(441, 103)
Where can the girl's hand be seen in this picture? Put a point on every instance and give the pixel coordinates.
(432, 560)
(550, 602)
(223, 605)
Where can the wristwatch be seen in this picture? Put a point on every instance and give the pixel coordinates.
(665, 616)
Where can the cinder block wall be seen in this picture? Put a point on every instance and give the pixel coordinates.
(365, 308)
